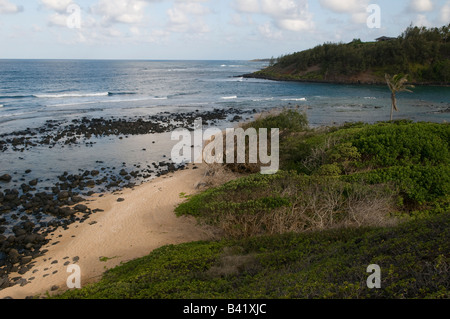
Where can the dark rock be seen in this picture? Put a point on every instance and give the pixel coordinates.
(123, 172)
(26, 260)
(63, 195)
(5, 178)
(33, 182)
(121, 200)
(4, 282)
(25, 188)
(13, 256)
(90, 183)
(23, 270)
(95, 173)
(80, 208)
(77, 199)
(19, 231)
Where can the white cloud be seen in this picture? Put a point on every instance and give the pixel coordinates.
(187, 17)
(7, 7)
(248, 6)
(294, 24)
(355, 8)
(58, 20)
(291, 15)
(421, 5)
(444, 15)
(120, 11)
(59, 6)
(422, 21)
(267, 31)
(347, 6)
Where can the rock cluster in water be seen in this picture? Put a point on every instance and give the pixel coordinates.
(67, 133)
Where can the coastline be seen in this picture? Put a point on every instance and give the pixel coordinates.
(140, 222)
(338, 82)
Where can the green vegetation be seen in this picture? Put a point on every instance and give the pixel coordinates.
(413, 257)
(421, 52)
(359, 174)
(345, 197)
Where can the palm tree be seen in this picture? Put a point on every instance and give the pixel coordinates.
(396, 84)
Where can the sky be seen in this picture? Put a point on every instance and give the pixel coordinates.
(200, 29)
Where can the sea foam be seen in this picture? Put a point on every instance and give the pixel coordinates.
(63, 95)
(299, 99)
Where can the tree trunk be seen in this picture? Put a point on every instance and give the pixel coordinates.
(394, 105)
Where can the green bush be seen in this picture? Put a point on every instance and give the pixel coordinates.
(404, 144)
(287, 120)
(414, 259)
(419, 184)
(414, 157)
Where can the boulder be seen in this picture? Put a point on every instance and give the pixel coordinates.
(63, 195)
(33, 182)
(5, 178)
(123, 172)
(81, 208)
(25, 260)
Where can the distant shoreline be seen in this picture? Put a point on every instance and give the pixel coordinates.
(343, 82)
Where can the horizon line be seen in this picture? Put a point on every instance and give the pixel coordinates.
(130, 59)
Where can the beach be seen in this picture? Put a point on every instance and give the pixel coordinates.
(142, 220)
(71, 146)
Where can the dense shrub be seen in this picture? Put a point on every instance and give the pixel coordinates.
(414, 157)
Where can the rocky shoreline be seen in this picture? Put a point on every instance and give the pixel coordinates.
(55, 132)
(349, 81)
(30, 213)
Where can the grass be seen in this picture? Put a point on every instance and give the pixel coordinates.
(344, 198)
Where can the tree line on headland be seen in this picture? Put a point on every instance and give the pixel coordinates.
(422, 53)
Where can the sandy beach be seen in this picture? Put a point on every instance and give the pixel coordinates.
(141, 221)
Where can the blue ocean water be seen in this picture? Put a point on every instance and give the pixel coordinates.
(33, 91)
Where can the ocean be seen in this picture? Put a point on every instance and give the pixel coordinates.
(33, 91)
(36, 92)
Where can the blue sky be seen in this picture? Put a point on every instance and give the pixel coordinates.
(198, 29)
